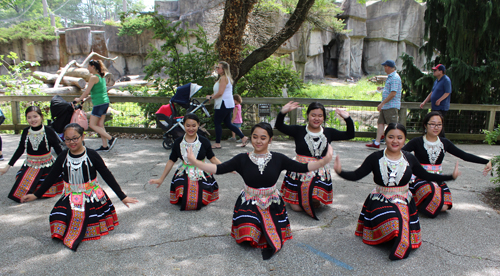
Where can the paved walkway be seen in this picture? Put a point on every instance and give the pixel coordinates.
(155, 238)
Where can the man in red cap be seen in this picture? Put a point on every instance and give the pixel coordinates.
(440, 93)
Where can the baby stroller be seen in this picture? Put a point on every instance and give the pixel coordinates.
(61, 112)
(167, 116)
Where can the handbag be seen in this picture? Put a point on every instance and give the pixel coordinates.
(80, 118)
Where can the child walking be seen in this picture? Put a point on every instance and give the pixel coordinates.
(237, 119)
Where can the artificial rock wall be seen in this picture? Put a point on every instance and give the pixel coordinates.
(376, 31)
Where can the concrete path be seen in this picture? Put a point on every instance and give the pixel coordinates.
(156, 238)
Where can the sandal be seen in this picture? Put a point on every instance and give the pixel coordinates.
(245, 143)
(216, 147)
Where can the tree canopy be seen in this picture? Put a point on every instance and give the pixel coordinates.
(236, 17)
(463, 36)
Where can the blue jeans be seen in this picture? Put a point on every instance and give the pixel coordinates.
(224, 115)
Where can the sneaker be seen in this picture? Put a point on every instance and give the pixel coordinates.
(372, 145)
(1, 157)
(232, 139)
(382, 140)
(112, 142)
(105, 149)
(238, 141)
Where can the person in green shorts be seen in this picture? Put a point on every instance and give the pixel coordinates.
(99, 95)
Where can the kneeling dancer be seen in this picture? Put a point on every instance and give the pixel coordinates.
(305, 191)
(389, 212)
(84, 211)
(191, 187)
(260, 215)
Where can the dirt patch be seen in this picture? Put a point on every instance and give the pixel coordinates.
(492, 198)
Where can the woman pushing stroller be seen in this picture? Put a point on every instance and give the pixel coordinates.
(99, 95)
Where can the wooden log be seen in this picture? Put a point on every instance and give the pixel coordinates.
(77, 73)
(66, 90)
(110, 79)
(67, 81)
(127, 83)
(84, 74)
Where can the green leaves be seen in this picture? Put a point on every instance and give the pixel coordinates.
(18, 77)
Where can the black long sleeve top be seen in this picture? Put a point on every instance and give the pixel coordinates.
(298, 133)
(252, 177)
(205, 150)
(98, 165)
(42, 148)
(371, 164)
(416, 145)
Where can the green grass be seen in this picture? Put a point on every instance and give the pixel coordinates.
(362, 90)
(131, 115)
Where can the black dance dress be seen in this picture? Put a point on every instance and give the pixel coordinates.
(84, 211)
(302, 188)
(431, 196)
(260, 215)
(191, 187)
(37, 141)
(389, 212)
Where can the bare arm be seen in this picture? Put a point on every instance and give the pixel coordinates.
(209, 168)
(166, 171)
(215, 160)
(93, 80)
(312, 166)
(426, 100)
(445, 95)
(222, 86)
(389, 97)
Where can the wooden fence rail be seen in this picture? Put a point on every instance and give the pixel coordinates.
(405, 106)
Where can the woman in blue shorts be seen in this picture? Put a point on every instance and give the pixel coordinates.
(99, 95)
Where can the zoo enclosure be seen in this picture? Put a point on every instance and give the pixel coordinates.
(468, 119)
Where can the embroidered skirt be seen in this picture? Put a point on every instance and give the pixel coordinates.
(260, 218)
(192, 188)
(390, 213)
(431, 196)
(32, 175)
(302, 188)
(83, 213)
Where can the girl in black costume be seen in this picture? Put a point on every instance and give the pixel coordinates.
(191, 187)
(37, 140)
(259, 213)
(84, 211)
(305, 191)
(433, 197)
(389, 212)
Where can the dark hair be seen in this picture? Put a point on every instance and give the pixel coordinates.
(392, 126)
(265, 126)
(428, 117)
(316, 105)
(76, 126)
(191, 116)
(99, 66)
(34, 108)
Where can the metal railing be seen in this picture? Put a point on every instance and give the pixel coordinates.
(358, 109)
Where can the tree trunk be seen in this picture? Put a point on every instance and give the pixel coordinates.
(232, 29)
(234, 22)
(67, 81)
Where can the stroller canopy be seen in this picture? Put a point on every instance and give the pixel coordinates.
(184, 93)
(61, 112)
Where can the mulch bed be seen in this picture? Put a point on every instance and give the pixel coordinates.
(492, 198)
